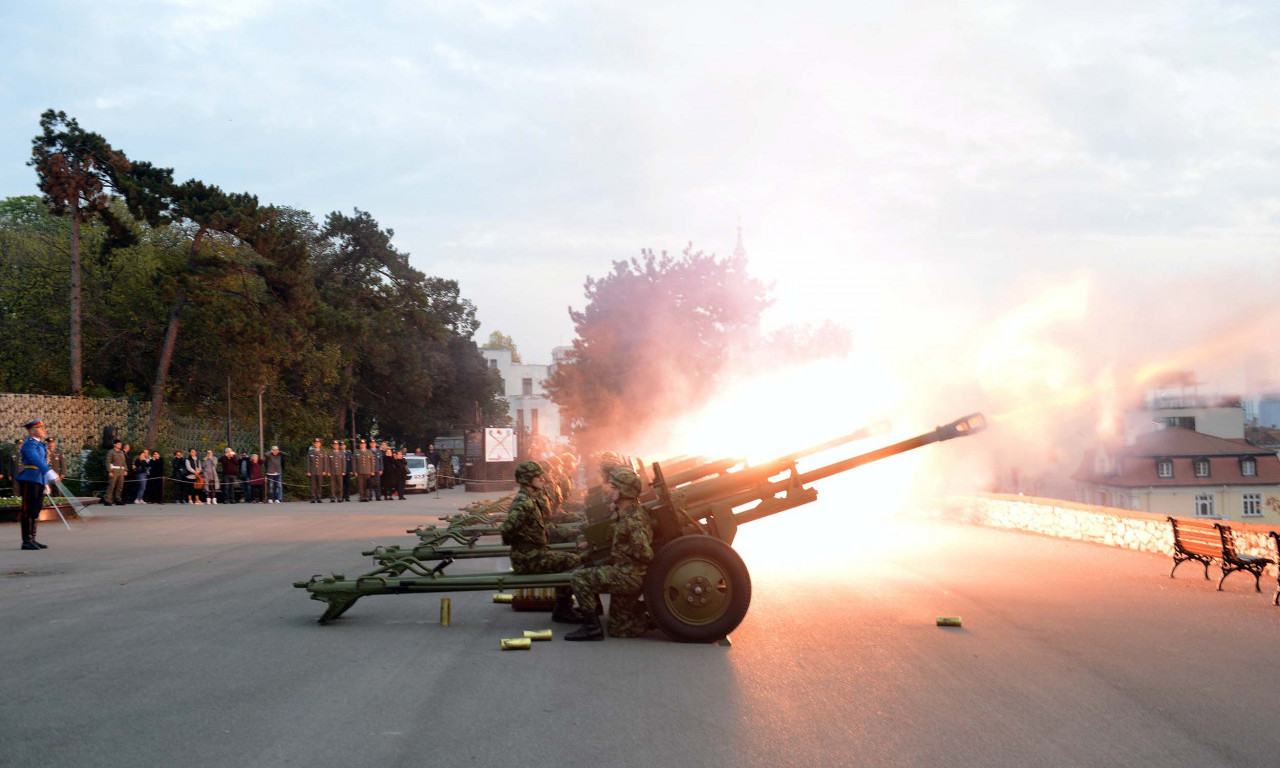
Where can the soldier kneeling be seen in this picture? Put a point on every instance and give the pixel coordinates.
(525, 531)
(623, 577)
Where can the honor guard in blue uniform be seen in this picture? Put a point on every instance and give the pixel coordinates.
(34, 474)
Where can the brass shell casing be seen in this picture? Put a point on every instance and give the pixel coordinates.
(538, 634)
(446, 608)
(948, 621)
(502, 597)
(516, 643)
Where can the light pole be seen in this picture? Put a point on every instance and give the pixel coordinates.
(261, 452)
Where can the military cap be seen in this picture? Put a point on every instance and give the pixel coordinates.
(527, 471)
(33, 424)
(626, 481)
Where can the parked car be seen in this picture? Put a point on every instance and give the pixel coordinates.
(422, 476)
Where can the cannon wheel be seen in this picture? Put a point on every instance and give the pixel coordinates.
(698, 589)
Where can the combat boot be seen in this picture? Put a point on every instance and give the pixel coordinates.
(590, 630)
(565, 613)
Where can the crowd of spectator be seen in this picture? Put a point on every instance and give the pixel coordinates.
(235, 477)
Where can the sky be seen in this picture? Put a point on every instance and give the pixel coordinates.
(1013, 200)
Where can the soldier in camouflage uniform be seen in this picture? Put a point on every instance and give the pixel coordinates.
(525, 531)
(550, 490)
(623, 576)
(444, 472)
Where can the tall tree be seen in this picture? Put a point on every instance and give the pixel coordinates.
(500, 340)
(652, 341)
(76, 168)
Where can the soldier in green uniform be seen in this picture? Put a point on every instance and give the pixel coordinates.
(525, 531)
(623, 576)
(336, 469)
(363, 463)
(445, 470)
(117, 468)
(316, 470)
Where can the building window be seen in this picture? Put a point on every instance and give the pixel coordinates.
(520, 418)
(1164, 467)
(1186, 422)
(1201, 467)
(533, 420)
(526, 387)
(1251, 505)
(1204, 505)
(493, 363)
(1249, 467)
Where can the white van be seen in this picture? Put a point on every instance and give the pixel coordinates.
(422, 476)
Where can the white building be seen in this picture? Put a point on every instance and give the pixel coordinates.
(1177, 402)
(524, 387)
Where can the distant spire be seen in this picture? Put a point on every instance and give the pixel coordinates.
(738, 251)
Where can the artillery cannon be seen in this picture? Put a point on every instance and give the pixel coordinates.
(697, 589)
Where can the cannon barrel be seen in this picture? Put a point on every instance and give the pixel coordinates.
(754, 483)
(698, 490)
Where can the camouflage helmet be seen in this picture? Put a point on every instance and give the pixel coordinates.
(626, 481)
(609, 460)
(527, 471)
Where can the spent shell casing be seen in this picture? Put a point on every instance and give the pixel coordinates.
(948, 621)
(446, 607)
(516, 643)
(538, 634)
(502, 597)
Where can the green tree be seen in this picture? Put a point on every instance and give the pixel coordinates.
(652, 341)
(76, 169)
(499, 340)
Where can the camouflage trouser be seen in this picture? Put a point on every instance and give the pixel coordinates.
(545, 562)
(627, 614)
(563, 534)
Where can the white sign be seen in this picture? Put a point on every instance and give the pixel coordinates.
(499, 444)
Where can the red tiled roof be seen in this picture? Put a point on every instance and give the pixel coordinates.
(1176, 441)
(1137, 463)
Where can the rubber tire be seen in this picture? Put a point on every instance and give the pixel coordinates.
(680, 551)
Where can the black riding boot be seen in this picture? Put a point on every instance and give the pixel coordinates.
(564, 612)
(590, 630)
(32, 539)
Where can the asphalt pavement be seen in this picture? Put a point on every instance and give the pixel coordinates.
(171, 636)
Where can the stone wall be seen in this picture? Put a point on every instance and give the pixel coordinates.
(1108, 526)
(72, 419)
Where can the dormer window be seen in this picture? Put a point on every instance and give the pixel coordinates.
(1164, 467)
(1249, 467)
(1201, 467)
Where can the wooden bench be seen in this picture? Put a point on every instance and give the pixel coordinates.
(1204, 542)
(1275, 537)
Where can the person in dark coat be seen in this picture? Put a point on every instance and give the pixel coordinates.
(178, 473)
(155, 479)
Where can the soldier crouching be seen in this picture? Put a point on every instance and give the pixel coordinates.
(623, 576)
(525, 531)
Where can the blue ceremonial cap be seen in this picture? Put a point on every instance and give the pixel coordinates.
(33, 423)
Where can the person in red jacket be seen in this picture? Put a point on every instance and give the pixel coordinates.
(227, 467)
(257, 481)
